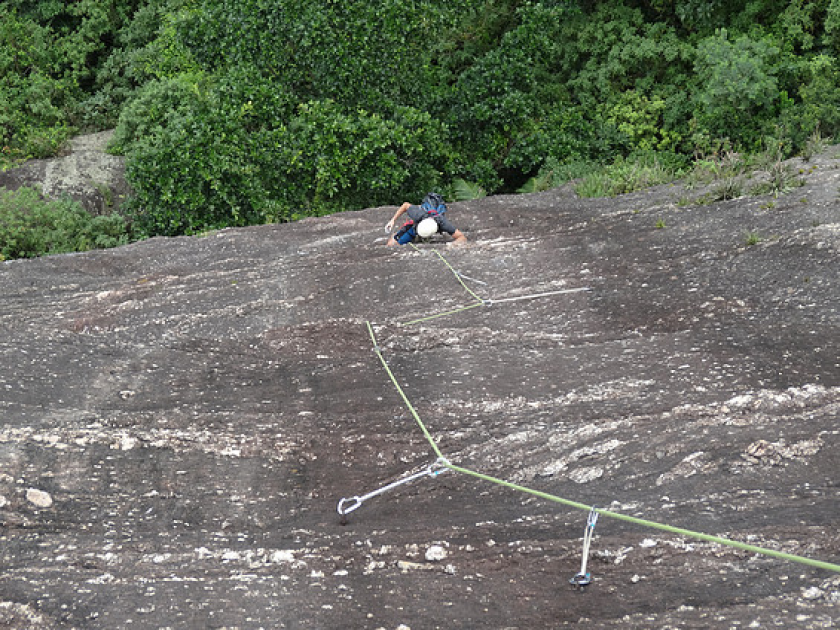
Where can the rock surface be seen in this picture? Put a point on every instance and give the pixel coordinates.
(86, 173)
(182, 416)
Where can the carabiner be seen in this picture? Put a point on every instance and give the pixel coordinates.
(355, 503)
(581, 579)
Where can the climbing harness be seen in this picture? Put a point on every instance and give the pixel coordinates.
(347, 505)
(583, 578)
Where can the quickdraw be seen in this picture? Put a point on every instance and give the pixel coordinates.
(583, 577)
(349, 504)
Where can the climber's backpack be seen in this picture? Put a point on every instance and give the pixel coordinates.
(434, 204)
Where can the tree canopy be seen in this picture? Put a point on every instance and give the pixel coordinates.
(235, 113)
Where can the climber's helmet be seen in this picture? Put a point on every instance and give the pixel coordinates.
(427, 227)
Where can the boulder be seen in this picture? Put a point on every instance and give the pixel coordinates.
(85, 173)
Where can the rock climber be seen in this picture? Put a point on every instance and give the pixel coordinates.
(425, 221)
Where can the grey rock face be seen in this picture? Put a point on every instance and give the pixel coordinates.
(195, 408)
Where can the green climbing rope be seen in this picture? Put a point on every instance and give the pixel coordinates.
(402, 393)
(454, 271)
(444, 314)
(457, 275)
(581, 506)
(645, 523)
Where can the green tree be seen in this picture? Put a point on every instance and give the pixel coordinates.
(832, 25)
(32, 120)
(737, 94)
(819, 95)
(52, 56)
(271, 110)
(365, 54)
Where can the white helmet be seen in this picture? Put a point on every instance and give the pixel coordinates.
(427, 227)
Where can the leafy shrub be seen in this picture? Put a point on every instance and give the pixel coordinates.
(819, 108)
(563, 135)
(64, 66)
(31, 226)
(726, 165)
(738, 90)
(370, 55)
(629, 175)
(832, 24)
(490, 104)
(779, 179)
(752, 238)
(615, 49)
(154, 107)
(222, 159)
(555, 173)
(815, 144)
(31, 118)
(726, 189)
(640, 119)
(338, 160)
(465, 191)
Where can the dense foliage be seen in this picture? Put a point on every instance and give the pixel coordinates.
(65, 66)
(234, 113)
(31, 226)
